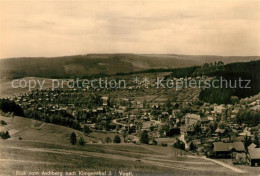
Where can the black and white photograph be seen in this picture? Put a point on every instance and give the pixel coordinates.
(129, 87)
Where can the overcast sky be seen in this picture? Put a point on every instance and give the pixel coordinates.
(56, 28)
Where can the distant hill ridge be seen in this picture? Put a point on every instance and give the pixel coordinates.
(92, 64)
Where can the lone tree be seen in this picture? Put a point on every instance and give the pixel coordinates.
(3, 122)
(81, 141)
(144, 137)
(73, 138)
(117, 139)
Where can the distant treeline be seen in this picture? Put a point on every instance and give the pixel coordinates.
(158, 70)
(177, 72)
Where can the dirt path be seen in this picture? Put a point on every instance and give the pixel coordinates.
(182, 138)
(118, 123)
(221, 163)
(225, 165)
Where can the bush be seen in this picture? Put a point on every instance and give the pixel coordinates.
(81, 141)
(108, 140)
(3, 122)
(5, 135)
(154, 142)
(117, 139)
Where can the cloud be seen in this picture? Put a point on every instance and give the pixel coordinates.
(53, 28)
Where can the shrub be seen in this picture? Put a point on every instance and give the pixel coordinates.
(5, 135)
(108, 140)
(81, 141)
(154, 142)
(3, 122)
(117, 139)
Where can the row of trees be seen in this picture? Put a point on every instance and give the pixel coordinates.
(60, 118)
(73, 139)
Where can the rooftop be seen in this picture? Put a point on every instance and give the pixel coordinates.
(193, 116)
(254, 153)
(221, 146)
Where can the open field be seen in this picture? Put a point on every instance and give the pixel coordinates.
(37, 156)
(46, 147)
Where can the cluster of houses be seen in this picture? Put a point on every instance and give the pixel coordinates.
(225, 143)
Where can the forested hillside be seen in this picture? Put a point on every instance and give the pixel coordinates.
(7, 105)
(93, 64)
(248, 72)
